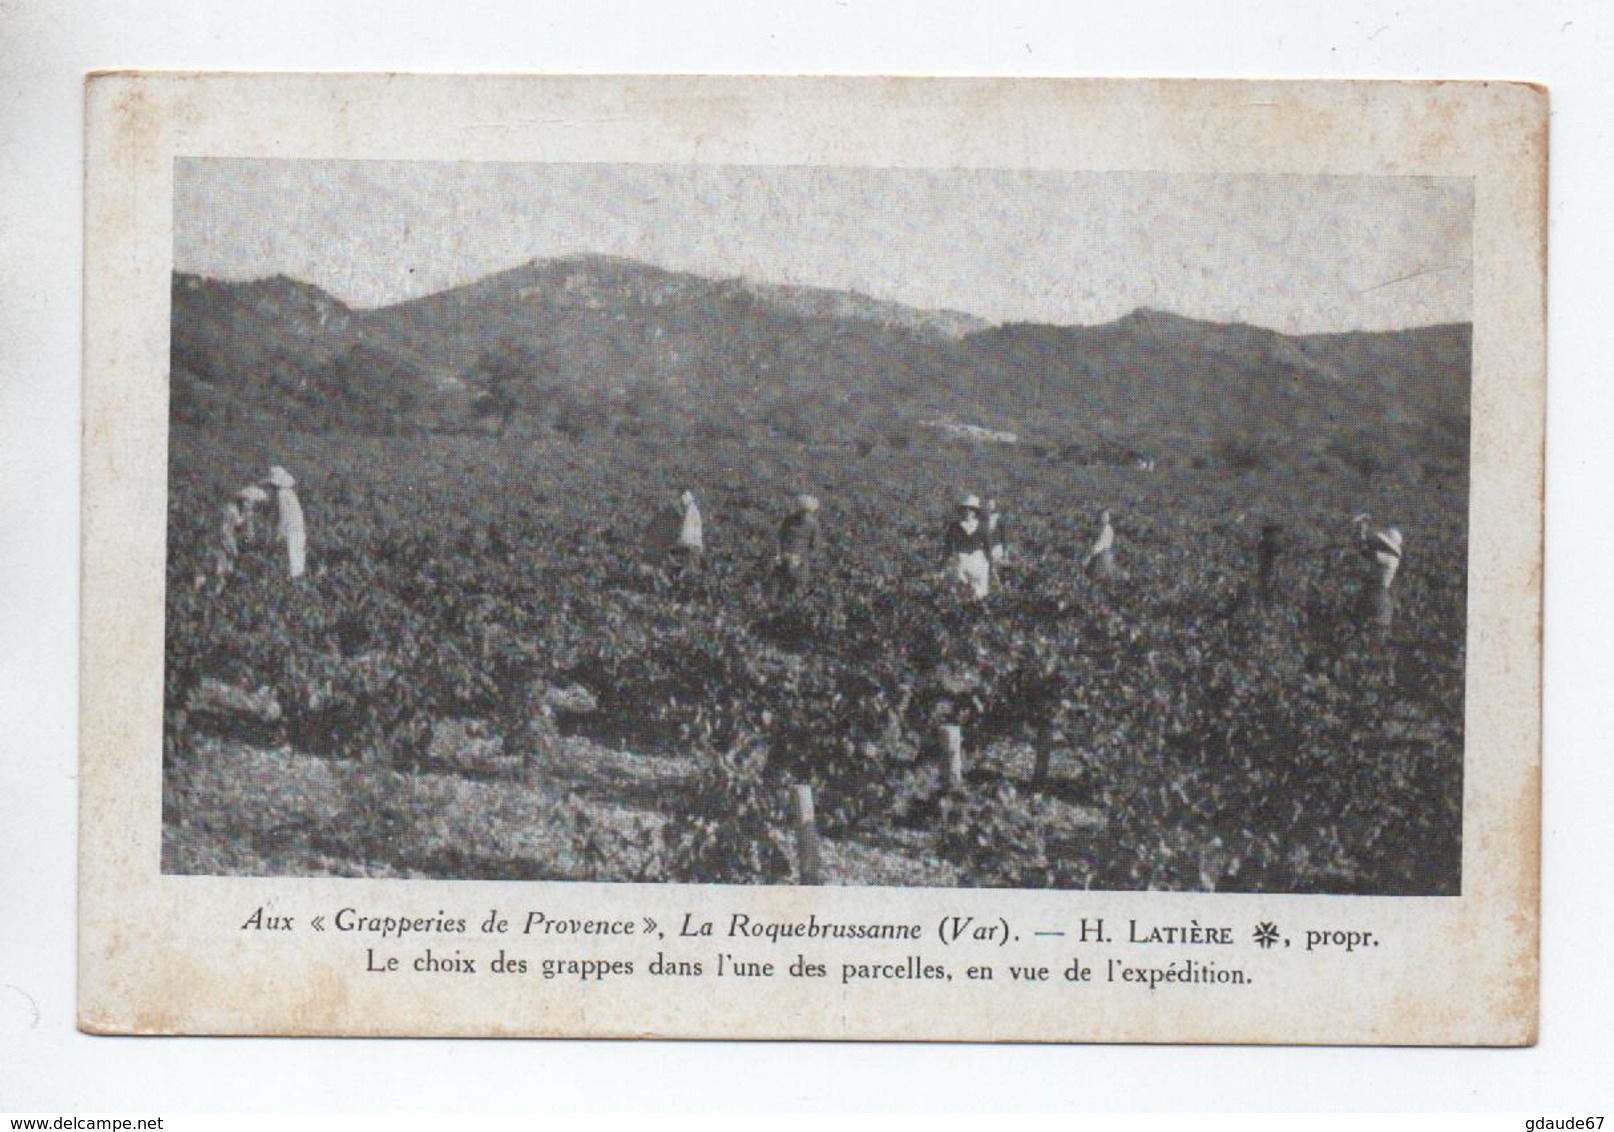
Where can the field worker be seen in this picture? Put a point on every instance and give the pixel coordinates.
(1381, 546)
(1266, 558)
(691, 536)
(237, 525)
(997, 541)
(798, 541)
(1100, 561)
(289, 528)
(968, 550)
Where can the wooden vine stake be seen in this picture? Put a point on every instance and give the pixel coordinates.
(952, 745)
(809, 857)
(1045, 753)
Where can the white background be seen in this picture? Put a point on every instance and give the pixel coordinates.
(44, 50)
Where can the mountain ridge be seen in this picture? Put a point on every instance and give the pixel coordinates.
(584, 343)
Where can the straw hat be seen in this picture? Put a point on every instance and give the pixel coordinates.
(279, 477)
(970, 503)
(253, 494)
(808, 503)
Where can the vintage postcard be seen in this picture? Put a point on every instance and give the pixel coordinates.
(812, 558)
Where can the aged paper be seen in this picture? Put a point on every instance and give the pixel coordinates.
(812, 558)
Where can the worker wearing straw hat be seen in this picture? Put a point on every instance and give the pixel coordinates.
(997, 538)
(968, 548)
(237, 525)
(1100, 561)
(799, 535)
(1382, 547)
(691, 534)
(290, 530)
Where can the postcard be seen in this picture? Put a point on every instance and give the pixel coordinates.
(731, 557)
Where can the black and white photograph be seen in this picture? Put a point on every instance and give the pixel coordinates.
(749, 558)
(781, 524)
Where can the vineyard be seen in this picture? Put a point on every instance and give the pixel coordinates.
(483, 676)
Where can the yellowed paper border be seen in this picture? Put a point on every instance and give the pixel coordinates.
(167, 954)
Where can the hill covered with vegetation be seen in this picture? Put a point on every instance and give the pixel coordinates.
(590, 344)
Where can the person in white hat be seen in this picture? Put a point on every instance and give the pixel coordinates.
(1100, 560)
(237, 525)
(968, 548)
(997, 537)
(289, 527)
(1382, 548)
(799, 535)
(691, 535)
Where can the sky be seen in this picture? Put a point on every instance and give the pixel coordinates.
(1301, 254)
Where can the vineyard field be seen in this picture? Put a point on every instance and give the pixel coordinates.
(486, 675)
